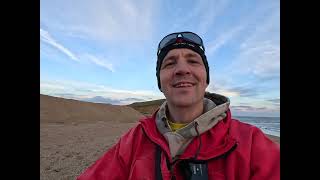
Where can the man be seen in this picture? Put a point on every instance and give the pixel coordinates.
(192, 135)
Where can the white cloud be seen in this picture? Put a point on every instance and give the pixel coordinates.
(223, 91)
(100, 62)
(112, 20)
(46, 85)
(46, 37)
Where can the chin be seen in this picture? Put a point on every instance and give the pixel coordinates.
(182, 102)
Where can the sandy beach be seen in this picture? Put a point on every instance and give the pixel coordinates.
(66, 149)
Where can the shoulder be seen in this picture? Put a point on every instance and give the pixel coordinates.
(253, 144)
(237, 127)
(248, 133)
(136, 134)
(135, 143)
(132, 134)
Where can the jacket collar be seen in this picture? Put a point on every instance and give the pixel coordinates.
(215, 141)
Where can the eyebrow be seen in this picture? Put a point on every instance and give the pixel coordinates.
(189, 55)
(172, 57)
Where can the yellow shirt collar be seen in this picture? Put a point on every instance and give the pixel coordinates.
(176, 126)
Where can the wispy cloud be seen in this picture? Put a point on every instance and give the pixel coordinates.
(47, 85)
(113, 20)
(248, 108)
(245, 91)
(204, 12)
(64, 94)
(237, 91)
(46, 37)
(210, 11)
(261, 59)
(224, 91)
(268, 29)
(223, 39)
(254, 111)
(106, 100)
(234, 91)
(236, 29)
(259, 53)
(100, 99)
(134, 99)
(277, 100)
(198, 11)
(269, 76)
(100, 62)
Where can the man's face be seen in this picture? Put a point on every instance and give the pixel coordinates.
(183, 77)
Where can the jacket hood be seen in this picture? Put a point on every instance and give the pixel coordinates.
(215, 107)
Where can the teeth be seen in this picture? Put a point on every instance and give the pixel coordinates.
(184, 85)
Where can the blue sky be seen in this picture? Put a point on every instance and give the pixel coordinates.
(105, 51)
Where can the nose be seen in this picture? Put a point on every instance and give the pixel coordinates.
(182, 67)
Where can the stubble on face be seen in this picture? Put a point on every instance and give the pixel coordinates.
(183, 77)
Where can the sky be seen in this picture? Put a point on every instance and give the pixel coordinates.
(105, 50)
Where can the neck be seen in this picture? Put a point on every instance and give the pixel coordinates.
(184, 114)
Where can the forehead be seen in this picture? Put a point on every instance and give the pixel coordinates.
(183, 52)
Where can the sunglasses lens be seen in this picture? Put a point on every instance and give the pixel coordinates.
(166, 40)
(188, 36)
(193, 38)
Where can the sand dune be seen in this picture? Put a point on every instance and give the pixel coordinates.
(66, 111)
(74, 134)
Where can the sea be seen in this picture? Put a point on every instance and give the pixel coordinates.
(269, 125)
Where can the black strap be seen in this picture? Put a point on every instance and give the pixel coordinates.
(158, 163)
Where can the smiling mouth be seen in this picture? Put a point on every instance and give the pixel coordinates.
(183, 84)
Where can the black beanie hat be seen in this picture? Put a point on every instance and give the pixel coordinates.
(184, 44)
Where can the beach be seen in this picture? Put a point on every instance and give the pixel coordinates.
(67, 149)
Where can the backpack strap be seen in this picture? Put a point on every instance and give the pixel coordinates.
(158, 163)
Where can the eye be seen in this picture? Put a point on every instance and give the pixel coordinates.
(168, 64)
(193, 61)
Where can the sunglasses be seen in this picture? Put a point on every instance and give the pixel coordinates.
(180, 37)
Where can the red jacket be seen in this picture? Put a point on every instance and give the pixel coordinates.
(233, 150)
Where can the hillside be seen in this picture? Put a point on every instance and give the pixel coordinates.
(60, 110)
(147, 107)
